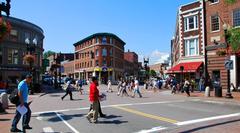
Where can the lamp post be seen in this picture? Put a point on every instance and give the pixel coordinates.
(228, 94)
(5, 8)
(31, 46)
(181, 69)
(146, 61)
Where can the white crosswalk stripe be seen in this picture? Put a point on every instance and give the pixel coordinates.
(48, 130)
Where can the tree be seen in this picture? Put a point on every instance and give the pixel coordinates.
(47, 54)
(230, 1)
(233, 38)
(153, 73)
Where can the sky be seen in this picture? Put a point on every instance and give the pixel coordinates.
(147, 26)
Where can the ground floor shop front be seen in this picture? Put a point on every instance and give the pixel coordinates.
(12, 75)
(103, 74)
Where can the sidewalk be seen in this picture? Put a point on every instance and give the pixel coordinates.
(6, 118)
(235, 99)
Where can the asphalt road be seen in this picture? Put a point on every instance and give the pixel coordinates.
(155, 112)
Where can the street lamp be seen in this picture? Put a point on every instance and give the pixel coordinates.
(181, 69)
(146, 61)
(228, 94)
(5, 8)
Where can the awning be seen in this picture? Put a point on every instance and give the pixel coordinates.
(188, 67)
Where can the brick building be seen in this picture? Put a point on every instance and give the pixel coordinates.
(187, 46)
(101, 55)
(68, 68)
(219, 13)
(159, 68)
(131, 64)
(61, 56)
(15, 46)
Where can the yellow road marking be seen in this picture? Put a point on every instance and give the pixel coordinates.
(147, 115)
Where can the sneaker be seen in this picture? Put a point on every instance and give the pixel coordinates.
(27, 127)
(15, 130)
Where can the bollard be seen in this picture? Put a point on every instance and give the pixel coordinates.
(4, 100)
(207, 92)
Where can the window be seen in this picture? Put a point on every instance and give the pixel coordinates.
(104, 52)
(214, 1)
(12, 56)
(97, 63)
(111, 40)
(104, 40)
(27, 37)
(97, 53)
(236, 18)
(111, 63)
(191, 47)
(104, 62)
(96, 40)
(191, 23)
(215, 23)
(90, 63)
(111, 52)
(1, 53)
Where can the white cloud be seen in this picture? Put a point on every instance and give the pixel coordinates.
(158, 57)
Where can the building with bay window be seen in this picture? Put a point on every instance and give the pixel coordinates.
(187, 45)
(101, 55)
(24, 38)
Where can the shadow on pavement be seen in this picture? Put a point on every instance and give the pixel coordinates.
(65, 117)
(111, 116)
(112, 122)
(5, 119)
(208, 126)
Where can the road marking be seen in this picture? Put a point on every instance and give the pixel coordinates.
(154, 129)
(206, 119)
(39, 118)
(147, 115)
(108, 106)
(48, 130)
(71, 127)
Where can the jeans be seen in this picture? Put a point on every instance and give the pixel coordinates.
(25, 119)
(137, 90)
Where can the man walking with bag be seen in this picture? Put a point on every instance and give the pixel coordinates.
(23, 101)
(92, 116)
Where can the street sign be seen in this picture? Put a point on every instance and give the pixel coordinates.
(228, 64)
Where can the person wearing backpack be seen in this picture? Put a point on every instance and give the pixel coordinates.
(23, 101)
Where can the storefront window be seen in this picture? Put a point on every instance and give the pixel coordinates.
(12, 56)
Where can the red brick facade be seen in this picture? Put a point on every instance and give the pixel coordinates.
(131, 63)
(216, 40)
(100, 55)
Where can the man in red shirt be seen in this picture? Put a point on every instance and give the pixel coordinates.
(94, 99)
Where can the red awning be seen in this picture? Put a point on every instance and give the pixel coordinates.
(188, 67)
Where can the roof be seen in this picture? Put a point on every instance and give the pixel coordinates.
(99, 34)
(187, 67)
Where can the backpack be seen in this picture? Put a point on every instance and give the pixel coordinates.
(13, 97)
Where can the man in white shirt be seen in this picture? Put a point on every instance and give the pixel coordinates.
(136, 88)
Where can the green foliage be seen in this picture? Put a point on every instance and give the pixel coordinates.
(47, 54)
(153, 73)
(230, 1)
(234, 38)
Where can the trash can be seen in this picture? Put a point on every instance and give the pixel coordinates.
(218, 91)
